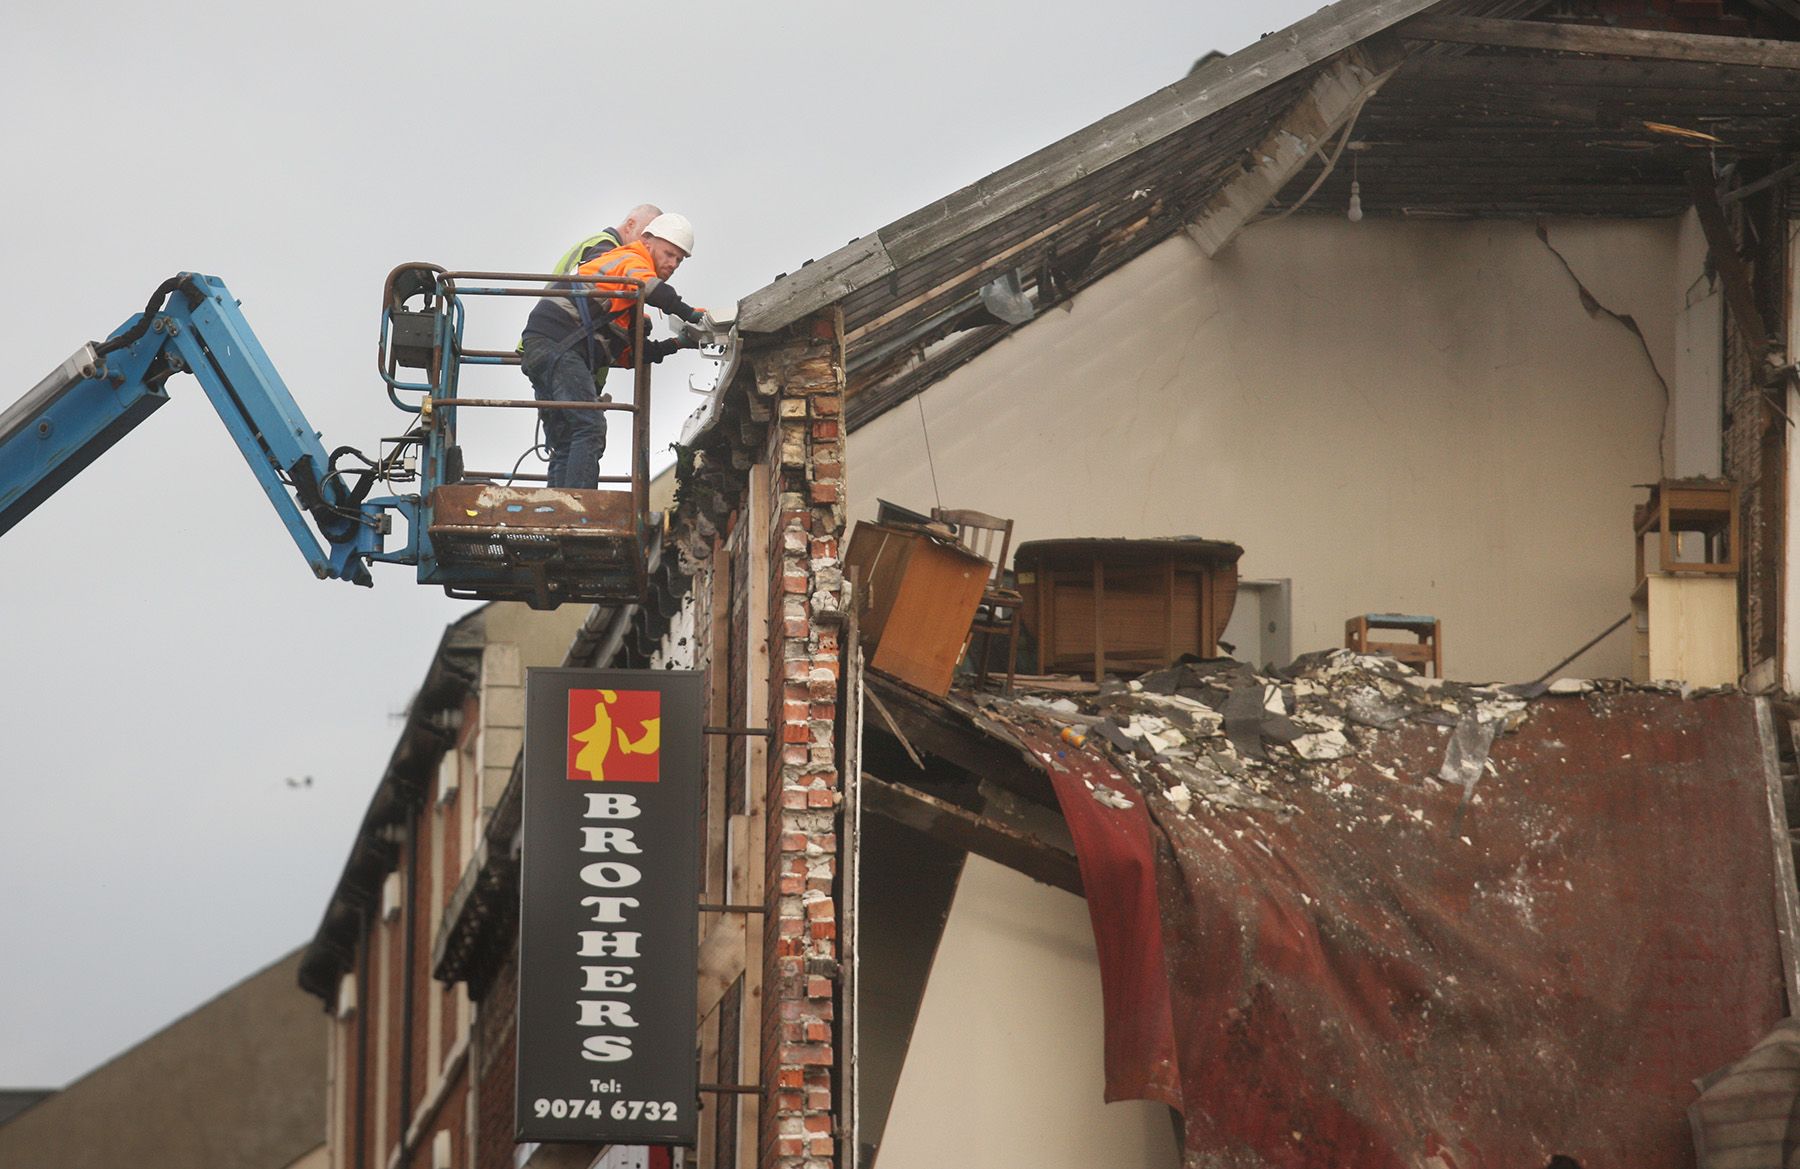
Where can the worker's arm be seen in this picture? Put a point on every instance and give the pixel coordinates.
(660, 294)
(655, 351)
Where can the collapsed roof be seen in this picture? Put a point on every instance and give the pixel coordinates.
(1454, 109)
(1367, 918)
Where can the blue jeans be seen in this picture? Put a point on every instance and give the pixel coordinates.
(576, 437)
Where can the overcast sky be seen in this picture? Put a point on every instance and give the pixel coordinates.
(169, 662)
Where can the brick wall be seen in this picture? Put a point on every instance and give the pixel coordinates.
(493, 1068)
(1755, 436)
(805, 461)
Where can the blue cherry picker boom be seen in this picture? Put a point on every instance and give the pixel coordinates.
(479, 535)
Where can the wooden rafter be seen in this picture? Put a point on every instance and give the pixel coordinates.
(973, 832)
(1734, 274)
(1603, 41)
(1333, 98)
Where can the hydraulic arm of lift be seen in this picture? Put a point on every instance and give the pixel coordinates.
(488, 535)
(105, 389)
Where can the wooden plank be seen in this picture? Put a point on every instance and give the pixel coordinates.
(1337, 93)
(749, 857)
(1787, 893)
(718, 747)
(1603, 41)
(705, 1153)
(1721, 245)
(1584, 74)
(965, 279)
(1213, 87)
(972, 832)
(848, 1025)
(949, 737)
(721, 958)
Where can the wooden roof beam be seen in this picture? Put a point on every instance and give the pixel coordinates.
(1332, 100)
(973, 832)
(1602, 41)
(1214, 86)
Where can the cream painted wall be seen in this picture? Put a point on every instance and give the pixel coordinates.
(1005, 1065)
(1414, 417)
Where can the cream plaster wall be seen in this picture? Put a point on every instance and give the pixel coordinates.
(1414, 417)
(1004, 1068)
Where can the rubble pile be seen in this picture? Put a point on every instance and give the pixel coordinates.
(1218, 732)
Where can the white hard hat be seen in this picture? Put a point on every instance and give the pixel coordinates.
(674, 228)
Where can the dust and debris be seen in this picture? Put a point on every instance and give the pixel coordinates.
(1217, 734)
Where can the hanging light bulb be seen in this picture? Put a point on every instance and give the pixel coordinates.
(1355, 211)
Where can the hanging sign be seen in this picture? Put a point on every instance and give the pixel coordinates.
(608, 898)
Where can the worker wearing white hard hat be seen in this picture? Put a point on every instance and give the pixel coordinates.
(568, 339)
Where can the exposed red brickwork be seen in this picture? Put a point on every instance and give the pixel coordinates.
(395, 1004)
(1755, 438)
(447, 1118)
(806, 461)
(393, 1021)
(420, 922)
(359, 1128)
(494, 1067)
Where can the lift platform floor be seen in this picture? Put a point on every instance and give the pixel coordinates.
(544, 546)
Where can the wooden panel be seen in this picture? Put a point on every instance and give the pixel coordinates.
(1146, 624)
(878, 556)
(721, 958)
(916, 601)
(1693, 635)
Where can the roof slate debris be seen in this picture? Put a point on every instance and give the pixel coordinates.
(1226, 732)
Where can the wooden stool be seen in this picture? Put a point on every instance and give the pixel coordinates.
(1427, 651)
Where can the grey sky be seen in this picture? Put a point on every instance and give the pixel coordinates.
(168, 659)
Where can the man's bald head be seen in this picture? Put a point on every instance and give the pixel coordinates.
(632, 226)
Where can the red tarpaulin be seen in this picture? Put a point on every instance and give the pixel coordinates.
(1380, 975)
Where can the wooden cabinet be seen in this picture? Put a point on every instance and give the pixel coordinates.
(1125, 606)
(1684, 610)
(916, 596)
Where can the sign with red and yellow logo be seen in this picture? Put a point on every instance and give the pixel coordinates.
(609, 882)
(615, 735)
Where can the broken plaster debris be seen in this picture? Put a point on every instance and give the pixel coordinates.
(1215, 734)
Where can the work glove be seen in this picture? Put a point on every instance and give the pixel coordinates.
(655, 351)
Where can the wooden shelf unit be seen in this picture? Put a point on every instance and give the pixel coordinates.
(1684, 612)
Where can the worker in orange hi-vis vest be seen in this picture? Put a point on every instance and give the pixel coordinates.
(567, 340)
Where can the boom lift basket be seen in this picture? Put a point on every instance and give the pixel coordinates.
(501, 535)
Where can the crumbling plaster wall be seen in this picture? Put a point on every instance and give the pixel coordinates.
(1413, 417)
(1005, 1065)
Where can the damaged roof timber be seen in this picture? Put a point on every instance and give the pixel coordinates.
(1487, 114)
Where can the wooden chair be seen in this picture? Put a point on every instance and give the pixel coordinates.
(990, 538)
(1425, 654)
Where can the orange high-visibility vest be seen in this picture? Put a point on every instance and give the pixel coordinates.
(631, 261)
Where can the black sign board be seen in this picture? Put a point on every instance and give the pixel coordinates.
(608, 898)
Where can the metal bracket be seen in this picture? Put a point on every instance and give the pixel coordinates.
(726, 907)
(751, 732)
